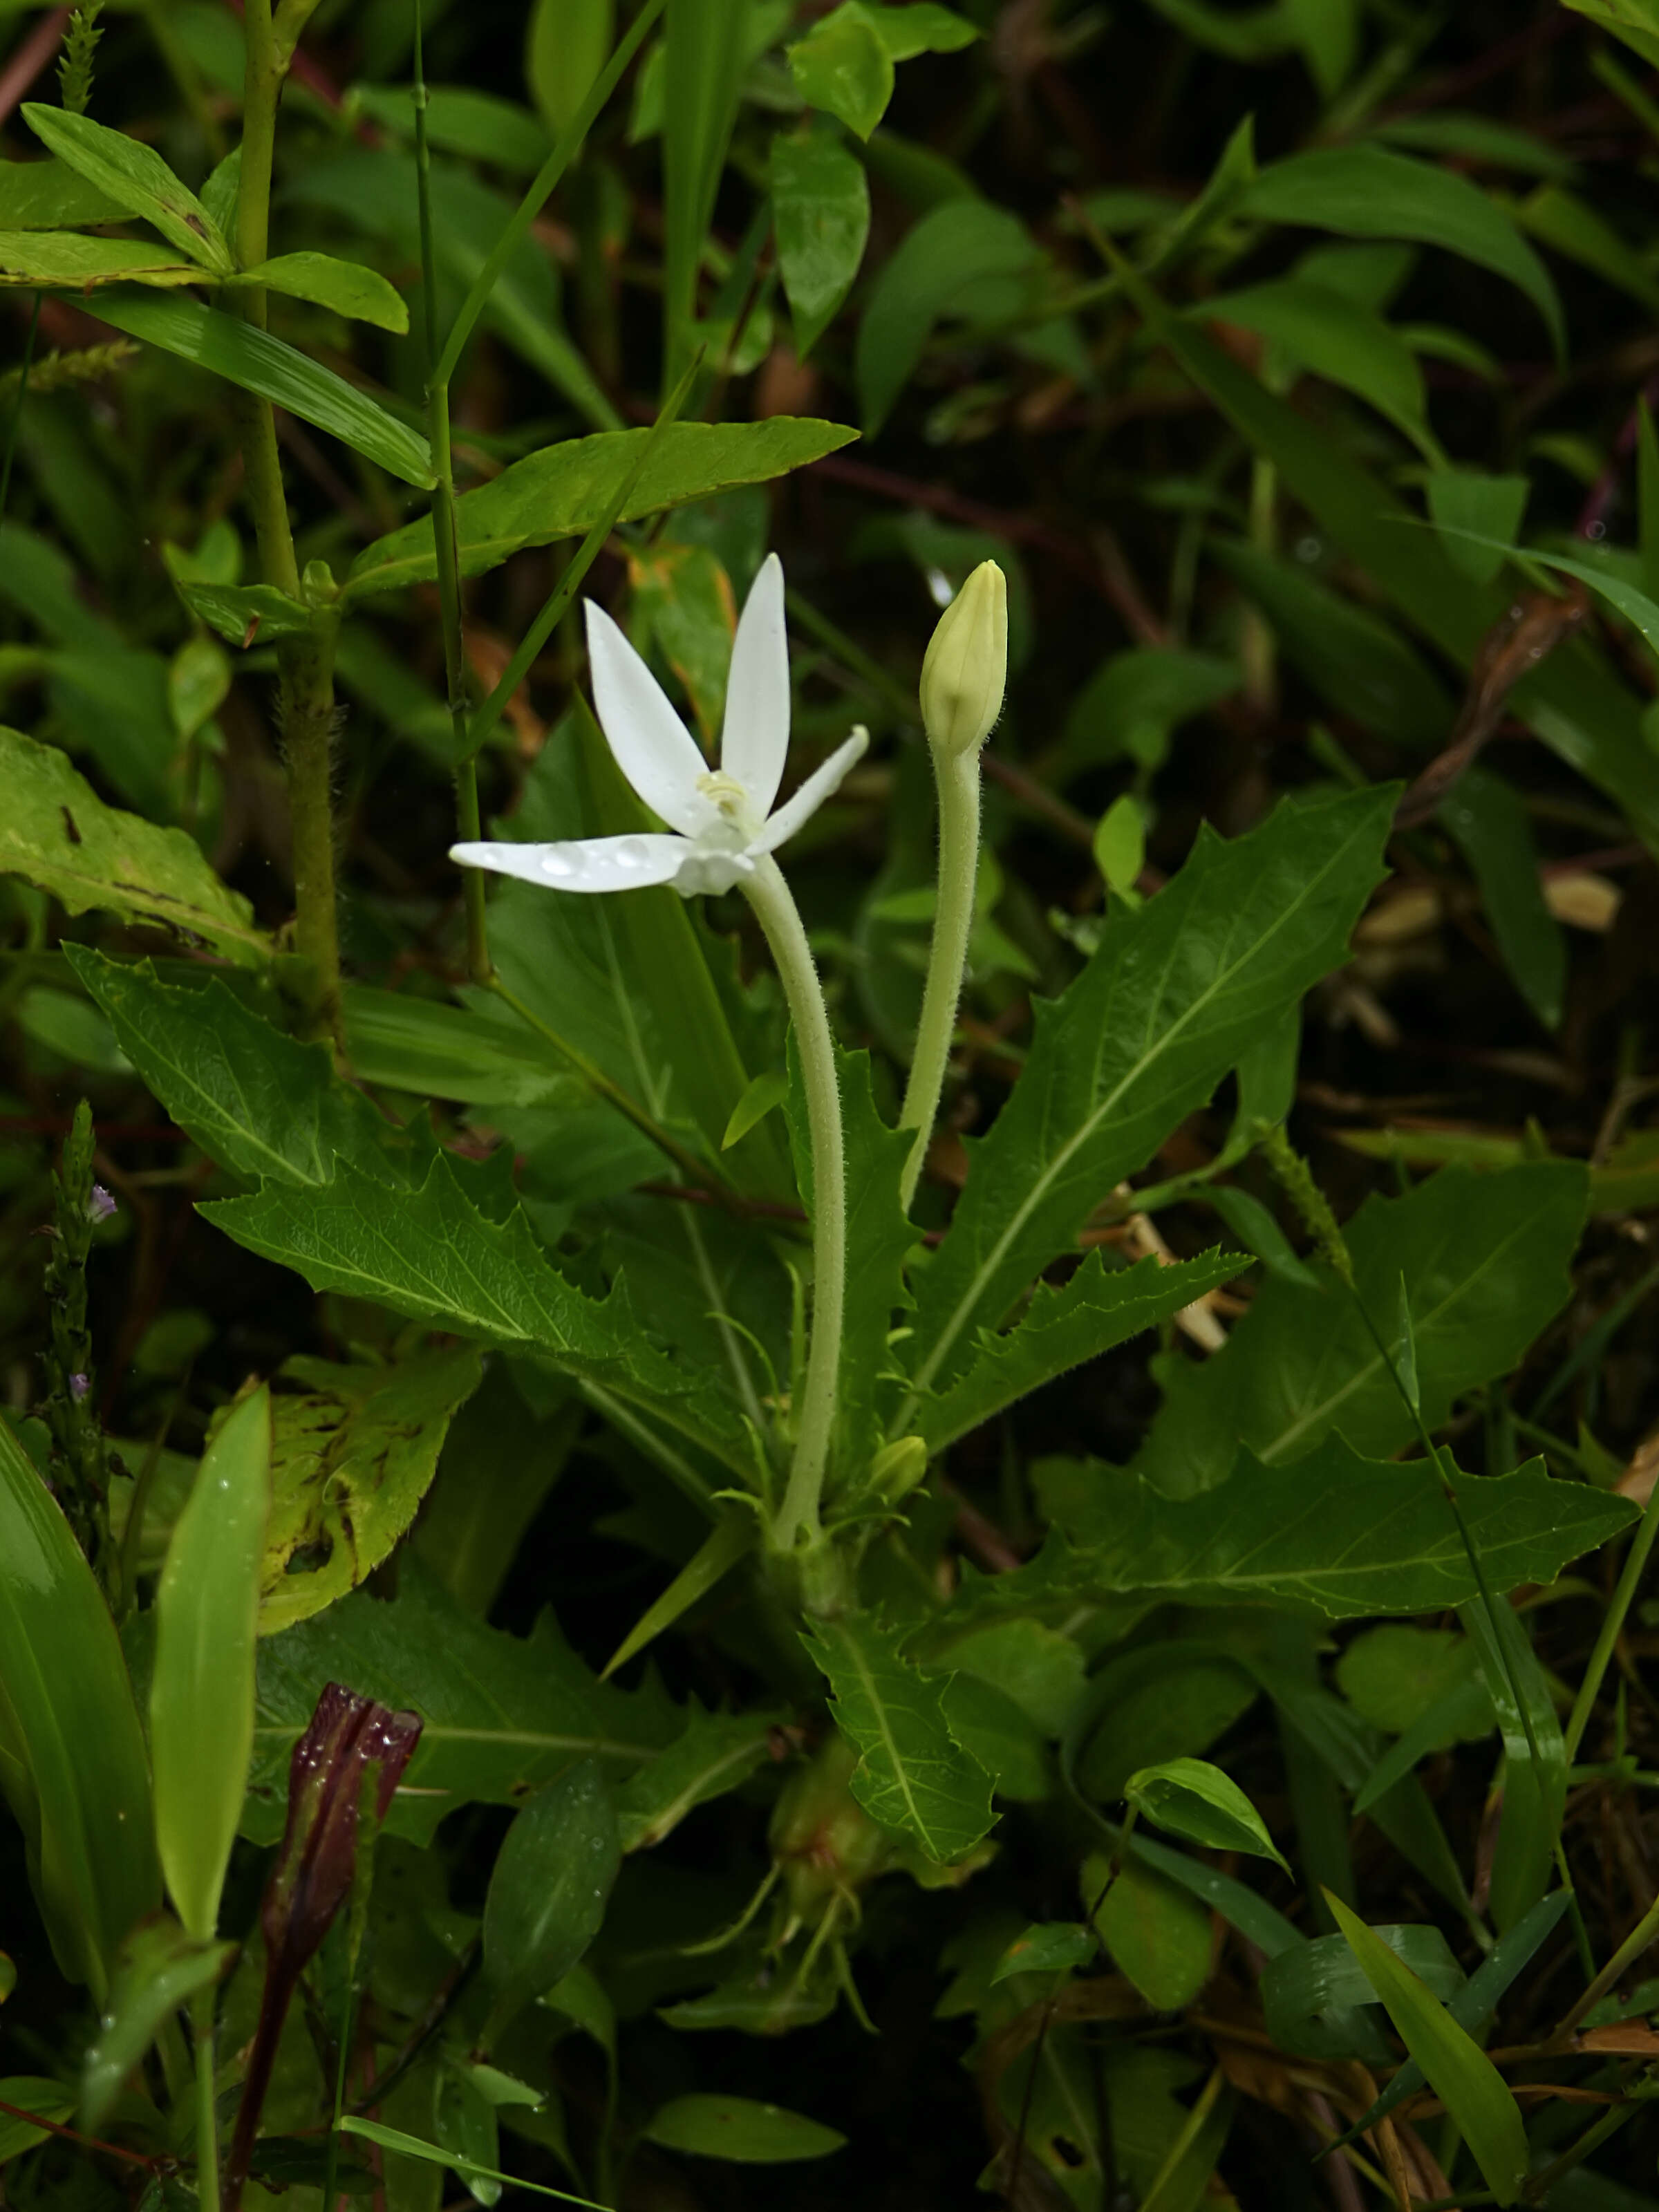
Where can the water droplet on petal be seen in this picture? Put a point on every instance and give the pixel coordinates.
(557, 865)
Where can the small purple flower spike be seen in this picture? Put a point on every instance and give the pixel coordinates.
(79, 1386)
(101, 1205)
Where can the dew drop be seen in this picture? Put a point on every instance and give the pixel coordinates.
(557, 865)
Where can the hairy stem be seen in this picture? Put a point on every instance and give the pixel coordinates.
(958, 781)
(776, 912)
(305, 663)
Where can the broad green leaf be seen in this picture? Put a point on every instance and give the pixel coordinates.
(436, 1257)
(259, 1102)
(59, 260)
(683, 598)
(226, 346)
(1168, 1699)
(353, 1452)
(1573, 701)
(1198, 1802)
(1485, 1260)
(1175, 992)
(1036, 1669)
(460, 119)
(918, 27)
(821, 218)
(1471, 2087)
(246, 612)
(1311, 1993)
(566, 45)
(1635, 21)
(1158, 1933)
(503, 1714)
(30, 2092)
(739, 2129)
(1334, 1533)
(481, 1056)
(564, 490)
(730, 1541)
(1487, 820)
(1048, 1947)
(1335, 337)
(843, 67)
(715, 1753)
(1571, 226)
(1134, 702)
(57, 834)
(1391, 1674)
(552, 1879)
(133, 174)
(1462, 501)
(1462, 131)
(1120, 846)
(201, 1692)
(346, 286)
(408, 2146)
(64, 1689)
(953, 246)
(913, 1779)
(159, 1969)
(1364, 191)
(1062, 1327)
(49, 195)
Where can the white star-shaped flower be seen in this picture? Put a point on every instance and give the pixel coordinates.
(720, 821)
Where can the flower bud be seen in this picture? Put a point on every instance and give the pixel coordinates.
(966, 668)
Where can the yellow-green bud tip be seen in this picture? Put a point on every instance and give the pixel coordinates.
(965, 672)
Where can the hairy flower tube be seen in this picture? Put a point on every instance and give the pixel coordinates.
(721, 822)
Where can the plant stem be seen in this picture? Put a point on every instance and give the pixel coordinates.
(957, 777)
(776, 912)
(207, 2113)
(1588, 1689)
(305, 663)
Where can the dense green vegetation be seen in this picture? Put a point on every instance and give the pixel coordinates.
(908, 1450)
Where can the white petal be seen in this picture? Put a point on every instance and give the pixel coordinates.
(819, 785)
(584, 864)
(756, 736)
(654, 748)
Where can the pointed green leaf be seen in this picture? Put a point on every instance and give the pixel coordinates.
(1488, 820)
(843, 67)
(201, 1694)
(1333, 336)
(133, 175)
(243, 613)
(227, 347)
(739, 2129)
(913, 1777)
(1484, 1259)
(731, 1539)
(821, 218)
(59, 260)
(1197, 1801)
(159, 1969)
(408, 2146)
(346, 286)
(552, 1879)
(1047, 1947)
(1174, 995)
(30, 2092)
(58, 834)
(1064, 1326)
(1462, 501)
(564, 490)
(1471, 2087)
(1534, 1790)
(953, 246)
(767, 1090)
(716, 1752)
(64, 1690)
(49, 195)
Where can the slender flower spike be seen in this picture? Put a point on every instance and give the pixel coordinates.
(720, 822)
(965, 670)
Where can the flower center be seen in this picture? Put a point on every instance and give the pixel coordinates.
(731, 802)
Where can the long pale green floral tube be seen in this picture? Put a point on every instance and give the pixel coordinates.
(958, 779)
(963, 676)
(779, 917)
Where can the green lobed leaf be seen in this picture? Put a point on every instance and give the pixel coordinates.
(159, 1969)
(1200, 1804)
(258, 1102)
(437, 1257)
(1173, 996)
(57, 834)
(59, 260)
(1471, 2087)
(739, 2129)
(552, 1879)
(1335, 1534)
(133, 174)
(1365, 191)
(201, 1692)
(564, 490)
(354, 1451)
(347, 287)
(502, 1714)
(226, 346)
(64, 1688)
(1063, 1326)
(1485, 1261)
(913, 1777)
(821, 220)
